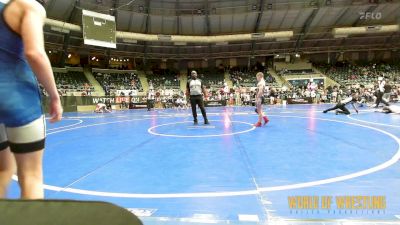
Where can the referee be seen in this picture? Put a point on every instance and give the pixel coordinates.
(195, 89)
(381, 92)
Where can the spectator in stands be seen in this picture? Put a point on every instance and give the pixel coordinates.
(226, 90)
(87, 89)
(108, 105)
(318, 96)
(334, 94)
(123, 104)
(22, 128)
(238, 100)
(181, 103)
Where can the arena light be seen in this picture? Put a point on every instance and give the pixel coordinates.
(129, 41)
(278, 35)
(58, 29)
(180, 43)
(345, 31)
(222, 43)
(282, 39)
(341, 36)
(63, 25)
(257, 35)
(163, 37)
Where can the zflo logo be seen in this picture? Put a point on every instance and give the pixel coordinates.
(370, 16)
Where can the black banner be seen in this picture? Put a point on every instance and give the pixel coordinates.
(215, 103)
(71, 103)
(299, 100)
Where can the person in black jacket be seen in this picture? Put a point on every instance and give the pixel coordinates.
(381, 92)
(341, 106)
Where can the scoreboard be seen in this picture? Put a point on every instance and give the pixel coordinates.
(99, 29)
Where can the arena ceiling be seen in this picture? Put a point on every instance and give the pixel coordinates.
(312, 22)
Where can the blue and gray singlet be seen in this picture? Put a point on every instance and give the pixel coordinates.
(20, 100)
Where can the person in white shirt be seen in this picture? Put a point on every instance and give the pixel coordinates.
(184, 102)
(180, 103)
(226, 90)
(237, 97)
(341, 106)
(246, 99)
(260, 100)
(334, 96)
(391, 109)
(311, 86)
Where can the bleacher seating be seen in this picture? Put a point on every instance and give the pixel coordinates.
(163, 79)
(211, 77)
(296, 71)
(350, 74)
(118, 81)
(72, 81)
(248, 79)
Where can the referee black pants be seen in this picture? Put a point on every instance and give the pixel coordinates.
(379, 99)
(150, 104)
(197, 100)
(340, 106)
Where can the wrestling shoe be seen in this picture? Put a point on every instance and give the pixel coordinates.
(258, 124)
(266, 120)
